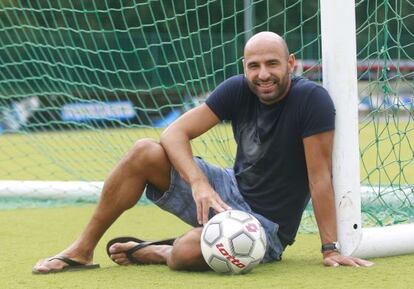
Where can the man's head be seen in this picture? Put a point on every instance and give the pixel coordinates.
(267, 66)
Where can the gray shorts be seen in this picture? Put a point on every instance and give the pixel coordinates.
(179, 201)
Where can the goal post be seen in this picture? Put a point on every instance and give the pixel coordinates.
(339, 62)
(340, 79)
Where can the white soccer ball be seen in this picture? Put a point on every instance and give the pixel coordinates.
(233, 242)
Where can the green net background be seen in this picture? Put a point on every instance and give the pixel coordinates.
(386, 88)
(81, 81)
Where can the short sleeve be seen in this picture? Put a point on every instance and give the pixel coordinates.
(318, 113)
(222, 100)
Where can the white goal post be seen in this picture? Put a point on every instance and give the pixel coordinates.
(339, 64)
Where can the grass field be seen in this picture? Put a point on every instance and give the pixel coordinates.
(90, 155)
(387, 151)
(27, 235)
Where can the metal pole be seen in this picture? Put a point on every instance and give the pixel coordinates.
(340, 79)
(248, 19)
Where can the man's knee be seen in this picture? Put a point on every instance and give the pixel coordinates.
(186, 253)
(146, 152)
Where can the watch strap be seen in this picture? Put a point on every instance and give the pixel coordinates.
(330, 247)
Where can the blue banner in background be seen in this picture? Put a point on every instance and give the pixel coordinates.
(80, 112)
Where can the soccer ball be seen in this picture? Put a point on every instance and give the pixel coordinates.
(233, 242)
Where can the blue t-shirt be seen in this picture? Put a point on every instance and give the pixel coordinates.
(270, 166)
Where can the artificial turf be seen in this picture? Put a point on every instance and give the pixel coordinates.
(27, 235)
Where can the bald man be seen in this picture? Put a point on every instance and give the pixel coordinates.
(283, 127)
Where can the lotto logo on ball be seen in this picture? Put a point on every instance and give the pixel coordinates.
(229, 257)
(233, 242)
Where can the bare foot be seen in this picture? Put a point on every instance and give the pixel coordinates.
(62, 262)
(152, 254)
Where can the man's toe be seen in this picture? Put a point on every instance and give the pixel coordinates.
(47, 265)
(121, 248)
(118, 252)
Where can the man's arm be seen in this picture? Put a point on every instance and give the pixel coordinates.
(176, 142)
(318, 153)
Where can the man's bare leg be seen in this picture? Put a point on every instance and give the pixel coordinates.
(185, 254)
(145, 163)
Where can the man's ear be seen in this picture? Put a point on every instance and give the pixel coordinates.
(244, 70)
(291, 63)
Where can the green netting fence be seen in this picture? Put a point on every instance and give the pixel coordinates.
(81, 81)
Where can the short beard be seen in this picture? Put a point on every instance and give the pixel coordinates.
(282, 86)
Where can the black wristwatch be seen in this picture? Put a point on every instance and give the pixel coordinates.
(334, 246)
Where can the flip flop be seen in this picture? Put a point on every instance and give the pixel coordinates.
(72, 266)
(141, 244)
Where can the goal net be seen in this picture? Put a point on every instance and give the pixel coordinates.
(81, 81)
(386, 91)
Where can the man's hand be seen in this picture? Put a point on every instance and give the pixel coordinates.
(205, 198)
(334, 259)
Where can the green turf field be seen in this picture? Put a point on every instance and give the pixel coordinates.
(27, 235)
(386, 152)
(90, 155)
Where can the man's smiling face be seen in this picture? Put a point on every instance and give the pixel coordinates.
(267, 67)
